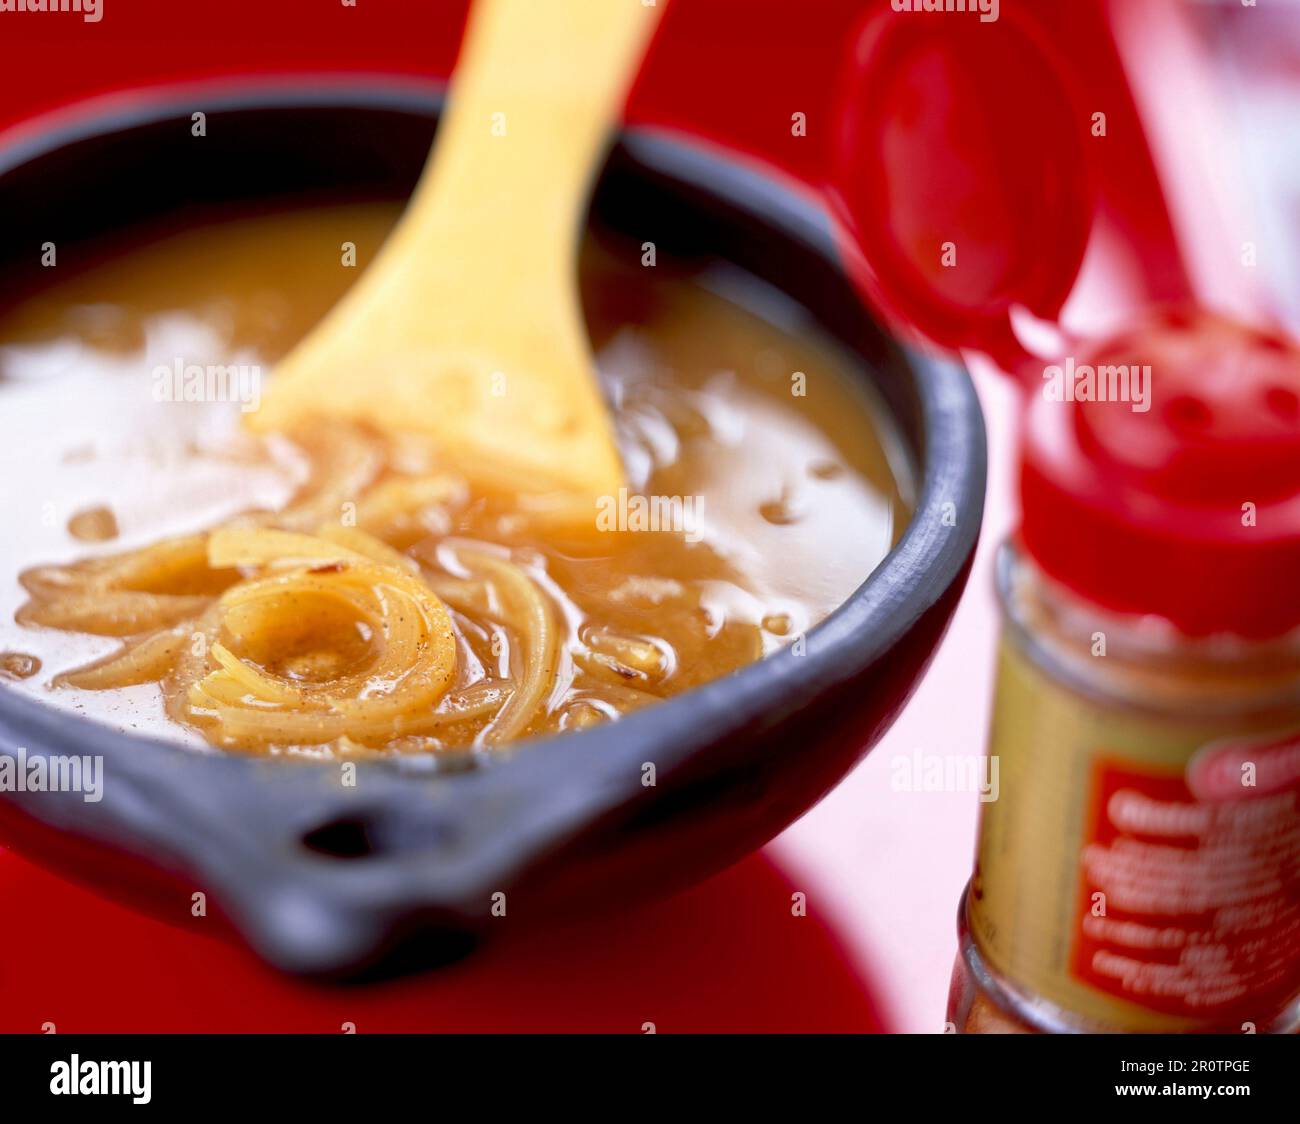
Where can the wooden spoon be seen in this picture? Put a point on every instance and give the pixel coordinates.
(467, 327)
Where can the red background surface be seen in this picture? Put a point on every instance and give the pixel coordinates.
(728, 955)
(734, 69)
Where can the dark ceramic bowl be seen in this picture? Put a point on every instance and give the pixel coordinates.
(401, 869)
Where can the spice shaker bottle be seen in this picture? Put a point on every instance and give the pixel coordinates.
(1140, 870)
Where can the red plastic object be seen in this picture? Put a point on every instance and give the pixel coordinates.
(971, 183)
(1187, 506)
(962, 176)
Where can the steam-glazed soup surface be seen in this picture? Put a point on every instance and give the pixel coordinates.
(334, 591)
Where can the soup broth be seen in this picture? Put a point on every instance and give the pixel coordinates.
(334, 591)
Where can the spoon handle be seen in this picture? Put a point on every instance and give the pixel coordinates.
(538, 87)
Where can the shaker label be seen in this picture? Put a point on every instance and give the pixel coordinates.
(1141, 868)
(1188, 907)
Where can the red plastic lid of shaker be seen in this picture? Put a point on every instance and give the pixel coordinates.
(1181, 497)
(961, 177)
